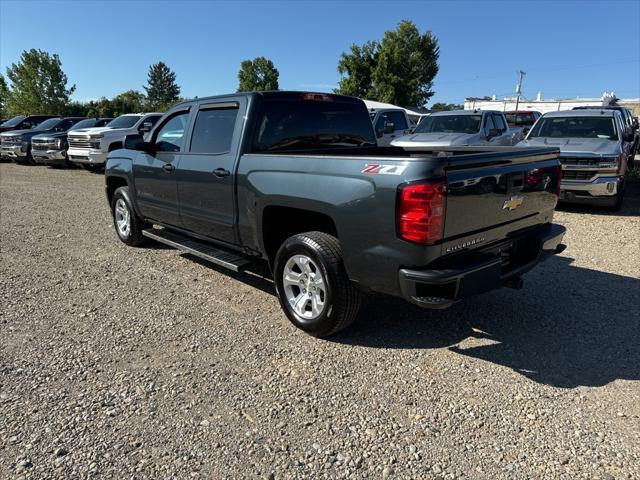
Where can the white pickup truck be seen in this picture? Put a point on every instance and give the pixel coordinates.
(89, 147)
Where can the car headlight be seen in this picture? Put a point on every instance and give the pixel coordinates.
(94, 141)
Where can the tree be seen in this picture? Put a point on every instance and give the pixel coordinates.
(259, 74)
(441, 107)
(4, 94)
(131, 101)
(38, 84)
(399, 69)
(162, 89)
(356, 69)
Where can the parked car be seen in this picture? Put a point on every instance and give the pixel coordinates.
(21, 122)
(461, 128)
(296, 179)
(88, 148)
(16, 144)
(522, 119)
(51, 148)
(595, 147)
(629, 120)
(389, 123)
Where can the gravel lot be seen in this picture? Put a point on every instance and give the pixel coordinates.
(120, 362)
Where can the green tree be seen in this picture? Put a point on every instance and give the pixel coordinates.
(407, 64)
(399, 69)
(131, 101)
(441, 107)
(4, 94)
(38, 84)
(162, 89)
(259, 74)
(356, 69)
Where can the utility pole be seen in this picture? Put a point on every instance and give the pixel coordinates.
(519, 88)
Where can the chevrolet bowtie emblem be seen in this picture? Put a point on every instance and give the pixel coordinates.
(513, 202)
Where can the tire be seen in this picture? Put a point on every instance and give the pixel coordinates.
(30, 160)
(329, 308)
(122, 210)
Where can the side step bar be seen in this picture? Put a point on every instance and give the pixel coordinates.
(226, 259)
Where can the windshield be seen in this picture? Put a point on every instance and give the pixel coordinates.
(450, 124)
(522, 119)
(88, 123)
(292, 122)
(125, 121)
(575, 127)
(48, 124)
(12, 122)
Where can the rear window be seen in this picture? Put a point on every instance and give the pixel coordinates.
(520, 120)
(450, 124)
(576, 127)
(298, 123)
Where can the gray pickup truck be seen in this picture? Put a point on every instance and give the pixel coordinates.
(459, 128)
(296, 180)
(596, 148)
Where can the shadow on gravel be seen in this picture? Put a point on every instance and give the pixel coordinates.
(582, 328)
(585, 333)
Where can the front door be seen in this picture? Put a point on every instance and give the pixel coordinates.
(155, 174)
(206, 172)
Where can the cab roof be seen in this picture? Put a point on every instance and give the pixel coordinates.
(596, 112)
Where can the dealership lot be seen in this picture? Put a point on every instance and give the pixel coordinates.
(148, 363)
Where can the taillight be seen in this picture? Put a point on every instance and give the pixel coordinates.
(559, 179)
(420, 210)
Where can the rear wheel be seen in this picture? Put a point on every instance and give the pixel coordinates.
(312, 284)
(127, 223)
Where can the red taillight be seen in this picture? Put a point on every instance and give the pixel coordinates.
(421, 209)
(558, 179)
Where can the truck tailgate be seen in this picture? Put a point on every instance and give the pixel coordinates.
(490, 195)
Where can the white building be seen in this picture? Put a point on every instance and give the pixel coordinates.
(551, 105)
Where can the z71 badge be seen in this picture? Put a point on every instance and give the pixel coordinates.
(384, 169)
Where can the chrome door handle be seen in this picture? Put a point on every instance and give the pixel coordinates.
(167, 167)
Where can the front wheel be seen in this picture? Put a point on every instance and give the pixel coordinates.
(312, 284)
(127, 223)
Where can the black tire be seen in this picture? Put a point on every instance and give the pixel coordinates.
(618, 199)
(30, 160)
(134, 236)
(341, 301)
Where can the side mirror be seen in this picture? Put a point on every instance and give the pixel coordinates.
(634, 123)
(136, 142)
(145, 127)
(389, 127)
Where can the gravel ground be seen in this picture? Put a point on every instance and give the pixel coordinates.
(119, 362)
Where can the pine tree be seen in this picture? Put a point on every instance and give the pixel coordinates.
(162, 89)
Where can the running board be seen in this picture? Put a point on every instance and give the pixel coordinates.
(226, 259)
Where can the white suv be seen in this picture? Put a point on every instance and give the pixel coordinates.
(89, 147)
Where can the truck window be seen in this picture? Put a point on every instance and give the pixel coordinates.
(450, 124)
(170, 137)
(213, 130)
(488, 123)
(398, 119)
(576, 127)
(298, 123)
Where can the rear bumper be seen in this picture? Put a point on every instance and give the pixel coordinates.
(478, 272)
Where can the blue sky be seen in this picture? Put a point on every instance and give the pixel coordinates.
(570, 48)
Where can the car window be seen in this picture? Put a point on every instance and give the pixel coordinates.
(450, 124)
(488, 123)
(152, 119)
(499, 122)
(170, 136)
(383, 119)
(398, 119)
(213, 130)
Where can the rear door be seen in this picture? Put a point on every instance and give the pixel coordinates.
(206, 173)
(155, 174)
